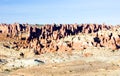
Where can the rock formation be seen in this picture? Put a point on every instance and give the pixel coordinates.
(47, 38)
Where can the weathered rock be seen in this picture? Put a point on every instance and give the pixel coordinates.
(46, 38)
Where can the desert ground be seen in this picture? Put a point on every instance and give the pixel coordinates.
(82, 58)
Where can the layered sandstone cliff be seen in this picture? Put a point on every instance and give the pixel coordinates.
(53, 37)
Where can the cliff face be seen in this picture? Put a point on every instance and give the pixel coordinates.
(51, 37)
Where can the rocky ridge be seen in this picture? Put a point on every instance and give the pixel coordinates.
(55, 37)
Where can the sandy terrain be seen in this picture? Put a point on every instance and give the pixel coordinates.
(73, 68)
(102, 62)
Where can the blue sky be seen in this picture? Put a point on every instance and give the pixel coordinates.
(60, 11)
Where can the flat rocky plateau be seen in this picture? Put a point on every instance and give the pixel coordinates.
(59, 50)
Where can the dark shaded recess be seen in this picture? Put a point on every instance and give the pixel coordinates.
(0, 31)
(7, 46)
(94, 26)
(79, 28)
(95, 30)
(119, 36)
(22, 27)
(74, 32)
(60, 26)
(69, 32)
(41, 45)
(101, 45)
(92, 43)
(57, 48)
(14, 42)
(48, 45)
(8, 28)
(38, 42)
(43, 35)
(36, 52)
(118, 46)
(3, 61)
(48, 30)
(34, 34)
(110, 35)
(99, 27)
(16, 28)
(28, 40)
(24, 38)
(21, 54)
(38, 33)
(49, 41)
(96, 39)
(107, 27)
(60, 36)
(15, 47)
(38, 61)
(8, 35)
(69, 45)
(55, 27)
(90, 30)
(87, 26)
